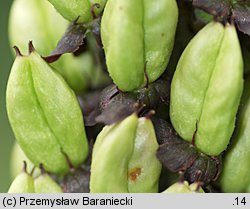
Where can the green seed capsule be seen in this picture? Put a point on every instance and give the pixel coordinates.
(71, 10)
(179, 187)
(144, 168)
(206, 88)
(23, 183)
(45, 115)
(184, 187)
(45, 184)
(235, 173)
(27, 22)
(112, 151)
(38, 21)
(124, 158)
(138, 35)
(195, 187)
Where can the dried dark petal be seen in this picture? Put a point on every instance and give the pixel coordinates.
(115, 105)
(69, 43)
(96, 30)
(155, 94)
(211, 171)
(218, 162)
(107, 94)
(115, 112)
(99, 106)
(89, 105)
(77, 182)
(204, 170)
(89, 101)
(241, 15)
(177, 157)
(162, 87)
(217, 8)
(197, 170)
(90, 118)
(164, 130)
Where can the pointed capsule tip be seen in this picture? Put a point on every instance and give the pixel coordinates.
(24, 166)
(149, 114)
(18, 52)
(42, 169)
(31, 47)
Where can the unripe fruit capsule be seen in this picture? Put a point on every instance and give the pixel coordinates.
(81, 9)
(124, 158)
(206, 88)
(236, 169)
(45, 115)
(138, 36)
(45, 184)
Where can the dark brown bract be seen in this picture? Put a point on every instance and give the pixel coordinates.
(178, 155)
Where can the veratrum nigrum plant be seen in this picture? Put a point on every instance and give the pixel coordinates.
(129, 96)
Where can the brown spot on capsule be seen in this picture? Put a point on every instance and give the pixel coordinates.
(134, 173)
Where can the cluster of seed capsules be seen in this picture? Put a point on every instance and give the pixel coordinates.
(97, 111)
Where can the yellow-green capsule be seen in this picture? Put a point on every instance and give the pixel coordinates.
(45, 115)
(111, 154)
(138, 36)
(81, 9)
(23, 183)
(124, 158)
(144, 168)
(184, 187)
(236, 165)
(196, 187)
(179, 187)
(45, 184)
(206, 88)
(37, 20)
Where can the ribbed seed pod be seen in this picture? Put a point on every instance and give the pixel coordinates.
(206, 88)
(45, 184)
(184, 187)
(138, 36)
(45, 115)
(38, 21)
(124, 158)
(144, 168)
(235, 173)
(35, 21)
(71, 10)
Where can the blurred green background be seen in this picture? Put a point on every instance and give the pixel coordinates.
(6, 59)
